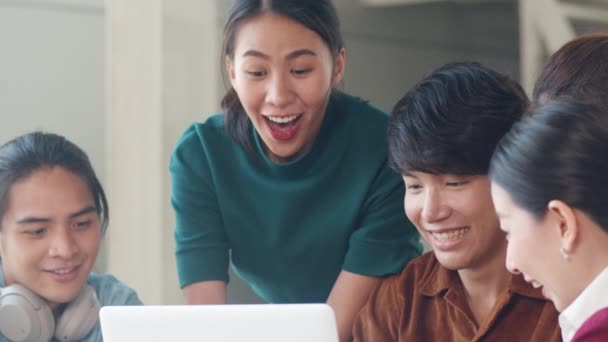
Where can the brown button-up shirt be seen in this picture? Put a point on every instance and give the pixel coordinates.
(427, 302)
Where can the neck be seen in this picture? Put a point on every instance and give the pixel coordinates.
(485, 282)
(588, 260)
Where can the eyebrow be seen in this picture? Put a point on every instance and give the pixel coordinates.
(33, 219)
(292, 55)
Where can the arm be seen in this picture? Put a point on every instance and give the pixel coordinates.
(206, 292)
(201, 246)
(348, 295)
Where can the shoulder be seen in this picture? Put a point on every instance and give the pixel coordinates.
(359, 125)
(199, 132)
(111, 291)
(360, 112)
(198, 142)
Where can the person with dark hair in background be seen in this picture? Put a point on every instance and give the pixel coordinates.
(291, 183)
(550, 189)
(53, 213)
(579, 70)
(441, 137)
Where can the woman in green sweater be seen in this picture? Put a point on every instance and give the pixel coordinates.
(290, 182)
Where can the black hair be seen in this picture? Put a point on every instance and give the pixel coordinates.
(26, 154)
(319, 16)
(450, 122)
(557, 152)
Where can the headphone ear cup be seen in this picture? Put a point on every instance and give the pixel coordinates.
(24, 316)
(79, 317)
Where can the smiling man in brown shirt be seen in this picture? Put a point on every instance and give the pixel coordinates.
(441, 137)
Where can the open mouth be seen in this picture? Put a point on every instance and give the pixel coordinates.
(283, 127)
(451, 235)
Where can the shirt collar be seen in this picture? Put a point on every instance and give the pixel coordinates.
(584, 306)
(441, 279)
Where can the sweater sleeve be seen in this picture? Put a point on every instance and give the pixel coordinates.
(385, 240)
(202, 250)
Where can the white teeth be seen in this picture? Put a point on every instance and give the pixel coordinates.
(63, 270)
(451, 235)
(282, 119)
(536, 284)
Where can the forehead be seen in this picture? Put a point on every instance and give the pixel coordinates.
(53, 191)
(502, 200)
(274, 32)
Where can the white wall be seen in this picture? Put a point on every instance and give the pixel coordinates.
(51, 73)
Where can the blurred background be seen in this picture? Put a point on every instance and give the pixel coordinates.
(123, 79)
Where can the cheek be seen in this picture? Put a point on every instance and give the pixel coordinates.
(412, 210)
(20, 259)
(521, 251)
(248, 95)
(90, 242)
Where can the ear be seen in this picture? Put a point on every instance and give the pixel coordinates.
(339, 65)
(569, 229)
(230, 70)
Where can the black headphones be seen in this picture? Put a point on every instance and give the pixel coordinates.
(25, 317)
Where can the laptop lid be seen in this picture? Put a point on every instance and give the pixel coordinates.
(225, 323)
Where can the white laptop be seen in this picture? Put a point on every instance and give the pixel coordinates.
(223, 323)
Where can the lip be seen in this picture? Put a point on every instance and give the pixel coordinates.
(449, 245)
(71, 274)
(283, 134)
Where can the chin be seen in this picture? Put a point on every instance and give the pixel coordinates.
(451, 262)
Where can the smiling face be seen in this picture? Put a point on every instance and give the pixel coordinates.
(283, 74)
(533, 248)
(455, 215)
(50, 234)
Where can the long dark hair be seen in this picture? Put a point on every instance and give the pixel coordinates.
(557, 152)
(319, 16)
(31, 152)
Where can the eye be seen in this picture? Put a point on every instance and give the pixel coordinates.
(256, 73)
(413, 187)
(36, 232)
(301, 72)
(456, 183)
(83, 224)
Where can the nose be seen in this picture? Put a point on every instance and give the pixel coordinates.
(511, 266)
(434, 210)
(279, 93)
(63, 245)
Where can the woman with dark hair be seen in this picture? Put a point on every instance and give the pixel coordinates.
(291, 182)
(579, 70)
(53, 213)
(550, 189)
(441, 137)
